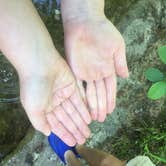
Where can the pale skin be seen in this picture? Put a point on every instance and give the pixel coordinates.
(95, 51)
(48, 90)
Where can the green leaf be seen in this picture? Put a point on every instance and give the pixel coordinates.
(157, 90)
(162, 53)
(154, 75)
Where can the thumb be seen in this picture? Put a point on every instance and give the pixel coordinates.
(121, 63)
(35, 94)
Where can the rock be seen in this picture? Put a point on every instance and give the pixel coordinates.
(142, 24)
(13, 121)
(140, 161)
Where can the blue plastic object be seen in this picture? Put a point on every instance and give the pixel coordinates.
(60, 147)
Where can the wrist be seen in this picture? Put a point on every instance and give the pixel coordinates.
(41, 63)
(82, 10)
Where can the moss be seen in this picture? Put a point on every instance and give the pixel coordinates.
(115, 9)
(145, 136)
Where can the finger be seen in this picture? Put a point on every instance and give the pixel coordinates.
(39, 121)
(110, 83)
(62, 94)
(69, 125)
(60, 130)
(82, 91)
(92, 99)
(121, 63)
(57, 100)
(74, 115)
(71, 159)
(101, 100)
(80, 107)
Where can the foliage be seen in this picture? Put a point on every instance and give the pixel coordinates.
(146, 136)
(158, 88)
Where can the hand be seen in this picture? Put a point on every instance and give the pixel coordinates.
(52, 103)
(96, 53)
(48, 90)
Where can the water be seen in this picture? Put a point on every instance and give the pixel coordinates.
(13, 121)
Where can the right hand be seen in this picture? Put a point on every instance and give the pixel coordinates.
(52, 102)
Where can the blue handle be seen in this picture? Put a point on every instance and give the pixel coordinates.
(60, 147)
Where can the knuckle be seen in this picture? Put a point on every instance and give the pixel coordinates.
(79, 122)
(73, 129)
(58, 125)
(59, 113)
(77, 135)
(66, 104)
(64, 134)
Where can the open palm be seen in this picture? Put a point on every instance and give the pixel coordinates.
(96, 52)
(52, 103)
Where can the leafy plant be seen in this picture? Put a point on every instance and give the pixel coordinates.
(158, 88)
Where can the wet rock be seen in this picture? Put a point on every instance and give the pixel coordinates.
(13, 122)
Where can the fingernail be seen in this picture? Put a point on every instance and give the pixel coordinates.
(88, 120)
(81, 142)
(47, 132)
(70, 142)
(101, 119)
(87, 133)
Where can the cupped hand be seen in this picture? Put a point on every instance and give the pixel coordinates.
(96, 53)
(52, 102)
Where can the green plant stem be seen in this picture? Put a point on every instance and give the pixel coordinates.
(154, 156)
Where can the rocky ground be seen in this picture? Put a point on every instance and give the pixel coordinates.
(143, 26)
